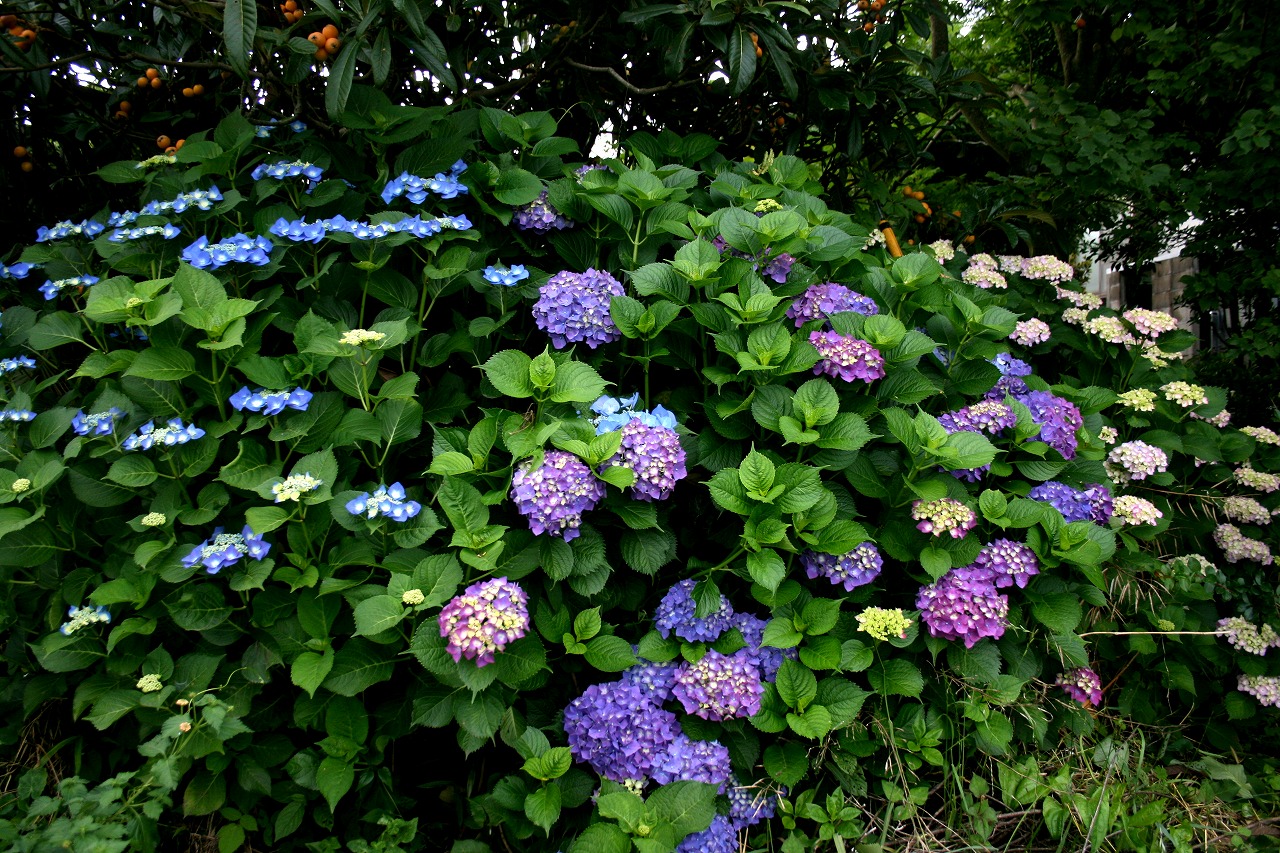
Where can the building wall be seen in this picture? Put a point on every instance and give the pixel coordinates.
(1124, 289)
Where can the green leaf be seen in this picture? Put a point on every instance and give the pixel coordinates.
(378, 613)
(169, 364)
(609, 653)
(757, 473)
(786, 763)
(587, 624)
(133, 472)
(542, 807)
(935, 561)
(575, 382)
(767, 568)
(814, 723)
(205, 794)
(896, 677)
(1060, 612)
(687, 806)
(646, 551)
(358, 666)
(401, 421)
(54, 330)
(509, 373)
(341, 73)
(334, 778)
(310, 669)
(239, 27)
(516, 187)
(602, 838)
(797, 685)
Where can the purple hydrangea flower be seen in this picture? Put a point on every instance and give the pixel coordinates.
(1083, 685)
(174, 432)
(1093, 504)
(846, 357)
(655, 455)
(1058, 419)
(574, 307)
(945, 515)
(989, 416)
(720, 837)
(750, 804)
(820, 301)
(778, 268)
(719, 687)
(538, 215)
(240, 248)
(270, 402)
(224, 549)
(555, 494)
(386, 501)
(618, 730)
(860, 566)
(766, 659)
(1135, 460)
(483, 620)
(1013, 386)
(655, 679)
(1008, 562)
(1010, 366)
(686, 760)
(676, 615)
(99, 423)
(964, 605)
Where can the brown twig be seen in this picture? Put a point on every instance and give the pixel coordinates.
(631, 87)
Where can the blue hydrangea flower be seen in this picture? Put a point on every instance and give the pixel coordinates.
(172, 433)
(8, 365)
(297, 125)
(821, 301)
(1058, 419)
(574, 307)
(125, 217)
(240, 248)
(99, 423)
(860, 566)
(19, 270)
(388, 501)
(538, 215)
(270, 402)
(1007, 562)
(750, 804)
(766, 659)
(720, 837)
(1010, 366)
(301, 231)
(505, 276)
(676, 614)
(62, 230)
(655, 679)
(616, 412)
(618, 730)
(687, 760)
(224, 549)
(555, 494)
(51, 289)
(168, 231)
(182, 202)
(415, 189)
(282, 171)
(1094, 503)
(21, 416)
(82, 617)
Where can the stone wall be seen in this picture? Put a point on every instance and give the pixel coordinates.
(1157, 286)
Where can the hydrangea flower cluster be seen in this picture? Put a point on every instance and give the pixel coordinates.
(989, 416)
(1135, 460)
(281, 171)
(153, 519)
(1264, 688)
(8, 365)
(149, 683)
(767, 659)
(224, 549)
(168, 231)
(484, 619)
(1075, 316)
(18, 270)
(1134, 510)
(1079, 298)
(655, 679)
(820, 301)
(1236, 546)
(1260, 480)
(386, 501)
(750, 804)
(360, 337)
(846, 357)
(1153, 324)
(1219, 420)
(415, 189)
(617, 729)
(655, 455)
(67, 228)
(301, 231)
(964, 605)
(1245, 510)
(776, 267)
(1010, 366)
(720, 837)
(1111, 330)
(983, 276)
(1045, 268)
(555, 494)
(719, 687)
(943, 250)
(265, 402)
(240, 248)
(538, 215)
(574, 307)
(860, 566)
(882, 624)
(1248, 637)
(687, 760)
(293, 487)
(83, 617)
(505, 276)
(616, 412)
(1262, 435)
(21, 416)
(1058, 419)
(99, 423)
(173, 432)
(677, 614)
(1108, 435)
(1007, 562)
(1082, 684)
(1138, 399)
(1028, 333)
(1185, 394)
(182, 202)
(945, 515)
(51, 289)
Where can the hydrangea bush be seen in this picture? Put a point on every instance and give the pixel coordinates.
(699, 499)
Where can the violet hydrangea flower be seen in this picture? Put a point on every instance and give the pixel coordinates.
(688, 760)
(386, 501)
(720, 837)
(1058, 419)
(240, 248)
(750, 804)
(483, 620)
(719, 687)
(265, 402)
(1030, 332)
(655, 679)
(821, 301)
(964, 605)
(538, 215)
(224, 549)
(860, 566)
(1082, 684)
(574, 307)
(945, 515)
(1135, 460)
(555, 494)
(655, 455)
(677, 614)
(618, 730)
(1094, 503)
(846, 357)
(1008, 562)
(766, 659)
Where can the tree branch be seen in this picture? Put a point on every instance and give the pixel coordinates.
(627, 84)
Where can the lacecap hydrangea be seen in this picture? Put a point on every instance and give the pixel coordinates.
(224, 549)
